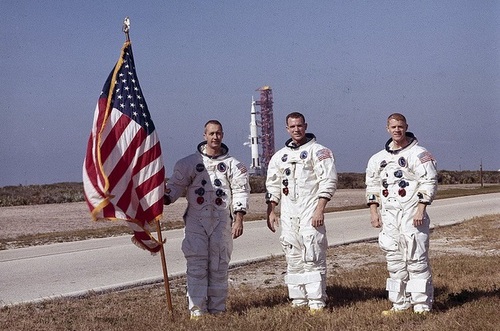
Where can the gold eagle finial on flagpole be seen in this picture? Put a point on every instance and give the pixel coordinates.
(126, 27)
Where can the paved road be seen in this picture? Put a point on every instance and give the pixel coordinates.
(72, 269)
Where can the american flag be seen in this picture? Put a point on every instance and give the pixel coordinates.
(425, 157)
(324, 154)
(123, 172)
(242, 168)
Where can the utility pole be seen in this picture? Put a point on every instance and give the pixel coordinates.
(481, 173)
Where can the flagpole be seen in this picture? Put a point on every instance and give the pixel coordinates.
(126, 29)
(165, 272)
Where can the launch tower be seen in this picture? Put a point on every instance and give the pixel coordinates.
(267, 124)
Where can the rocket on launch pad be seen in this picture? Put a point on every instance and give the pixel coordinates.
(255, 167)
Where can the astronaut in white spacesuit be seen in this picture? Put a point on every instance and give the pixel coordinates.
(402, 181)
(217, 194)
(302, 176)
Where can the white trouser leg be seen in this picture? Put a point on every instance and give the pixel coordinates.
(420, 283)
(195, 248)
(389, 242)
(305, 251)
(220, 247)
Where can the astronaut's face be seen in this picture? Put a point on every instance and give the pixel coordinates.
(213, 135)
(397, 130)
(296, 127)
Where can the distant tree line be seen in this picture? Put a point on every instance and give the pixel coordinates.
(353, 180)
(73, 191)
(468, 177)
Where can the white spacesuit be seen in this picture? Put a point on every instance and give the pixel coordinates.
(398, 181)
(298, 177)
(216, 188)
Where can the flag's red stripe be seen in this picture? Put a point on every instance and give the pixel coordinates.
(102, 103)
(89, 161)
(141, 190)
(91, 168)
(109, 211)
(156, 208)
(122, 165)
(142, 235)
(151, 154)
(153, 211)
(125, 199)
(113, 137)
(150, 184)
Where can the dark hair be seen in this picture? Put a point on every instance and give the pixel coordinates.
(216, 122)
(295, 115)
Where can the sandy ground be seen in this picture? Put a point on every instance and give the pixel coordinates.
(25, 220)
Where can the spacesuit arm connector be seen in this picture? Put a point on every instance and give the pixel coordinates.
(372, 199)
(270, 197)
(424, 198)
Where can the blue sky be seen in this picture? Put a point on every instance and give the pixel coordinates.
(345, 64)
